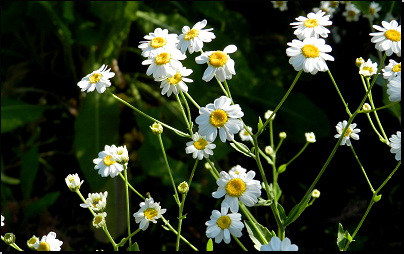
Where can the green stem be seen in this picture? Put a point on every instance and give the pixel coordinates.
(110, 237)
(130, 186)
(184, 115)
(373, 126)
(239, 243)
(363, 170)
(383, 107)
(376, 116)
(388, 178)
(124, 240)
(169, 227)
(339, 93)
(221, 86)
(192, 100)
(14, 245)
(188, 111)
(297, 155)
(84, 201)
(125, 170)
(279, 145)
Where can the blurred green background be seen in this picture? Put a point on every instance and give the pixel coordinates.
(50, 129)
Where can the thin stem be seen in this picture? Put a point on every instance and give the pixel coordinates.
(363, 170)
(388, 178)
(110, 237)
(130, 186)
(373, 126)
(239, 243)
(297, 155)
(376, 116)
(383, 107)
(124, 240)
(183, 114)
(125, 170)
(175, 232)
(339, 93)
(221, 86)
(192, 100)
(188, 111)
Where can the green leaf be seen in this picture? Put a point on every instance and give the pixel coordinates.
(9, 180)
(297, 210)
(134, 247)
(209, 245)
(256, 236)
(341, 240)
(282, 168)
(39, 206)
(281, 212)
(278, 191)
(260, 124)
(29, 169)
(240, 147)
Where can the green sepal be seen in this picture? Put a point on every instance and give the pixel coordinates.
(260, 125)
(282, 168)
(377, 198)
(209, 245)
(255, 236)
(166, 228)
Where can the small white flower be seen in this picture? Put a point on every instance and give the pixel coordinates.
(158, 40)
(310, 137)
(193, 39)
(315, 193)
(389, 38)
(269, 150)
(366, 107)
(281, 5)
(106, 164)
(164, 62)
(238, 186)
(97, 79)
(175, 83)
(96, 201)
(374, 8)
(73, 182)
(394, 88)
(2, 220)
(99, 220)
(268, 115)
(309, 55)
(219, 63)
(312, 26)
(221, 225)
(199, 147)
(244, 135)
(237, 170)
(48, 243)
(368, 68)
(121, 155)
(277, 245)
(391, 70)
(220, 114)
(149, 211)
(395, 144)
(326, 6)
(350, 133)
(351, 13)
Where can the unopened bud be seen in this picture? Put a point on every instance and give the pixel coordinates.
(9, 238)
(282, 135)
(183, 187)
(73, 182)
(315, 193)
(157, 128)
(359, 61)
(31, 242)
(207, 165)
(366, 107)
(269, 150)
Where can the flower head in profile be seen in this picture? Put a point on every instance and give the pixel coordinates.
(277, 245)
(368, 69)
(48, 243)
(73, 182)
(350, 133)
(310, 137)
(164, 62)
(99, 220)
(312, 26)
(106, 164)
(220, 115)
(268, 115)
(193, 39)
(148, 212)
(395, 144)
(96, 201)
(222, 225)
(281, 5)
(219, 63)
(121, 155)
(244, 135)
(237, 170)
(199, 147)
(238, 186)
(97, 79)
(374, 8)
(158, 40)
(391, 70)
(175, 83)
(326, 6)
(309, 55)
(351, 13)
(388, 38)
(156, 128)
(394, 88)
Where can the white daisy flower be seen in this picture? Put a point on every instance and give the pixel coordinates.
(48, 243)
(99, 220)
(268, 115)
(395, 144)
(389, 37)
(164, 62)
(175, 83)
(394, 89)
(244, 135)
(106, 164)
(97, 79)
(219, 63)
(312, 26)
(199, 147)
(222, 115)
(368, 69)
(374, 8)
(238, 186)
(96, 201)
(277, 245)
(121, 155)
(158, 40)
(351, 13)
(193, 39)
(350, 133)
(237, 170)
(281, 5)
(310, 137)
(391, 70)
(309, 55)
(2, 220)
(327, 7)
(73, 182)
(149, 211)
(221, 225)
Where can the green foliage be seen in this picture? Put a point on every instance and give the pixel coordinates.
(258, 234)
(342, 237)
(40, 205)
(209, 245)
(29, 169)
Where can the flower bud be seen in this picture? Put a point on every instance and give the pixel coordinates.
(73, 182)
(207, 165)
(157, 128)
(359, 61)
(366, 107)
(183, 188)
(31, 242)
(9, 238)
(268, 115)
(315, 193)
(282, 135)
(269, 150)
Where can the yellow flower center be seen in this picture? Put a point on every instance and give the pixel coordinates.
(191, 34)
(369, 69)
(311, 23)
(95, 78)
(372, 11)
(96, 201)
(334, 4)
(107, 161)
(397, 68)
(245, 133)
(200, 144)
(235, 187)
(310, 51)
(351, 14)
(158, 42)
(43, 246)
(218, 118)
(393, 35)
(150, 213)
(175, 80)
(279, 3)
(98, 220)
(348, 132)
(163, 58)
(224, 222)
(218, 59)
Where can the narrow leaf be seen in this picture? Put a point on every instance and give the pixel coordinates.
(209, 245)
(341, 240)
(256, 236)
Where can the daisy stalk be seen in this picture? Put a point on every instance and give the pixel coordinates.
(127, 202)
(363, 170)
(14, 245)
(192, 100)
(188, 111)
(297, 155)
(339, 93)
(187, 122)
